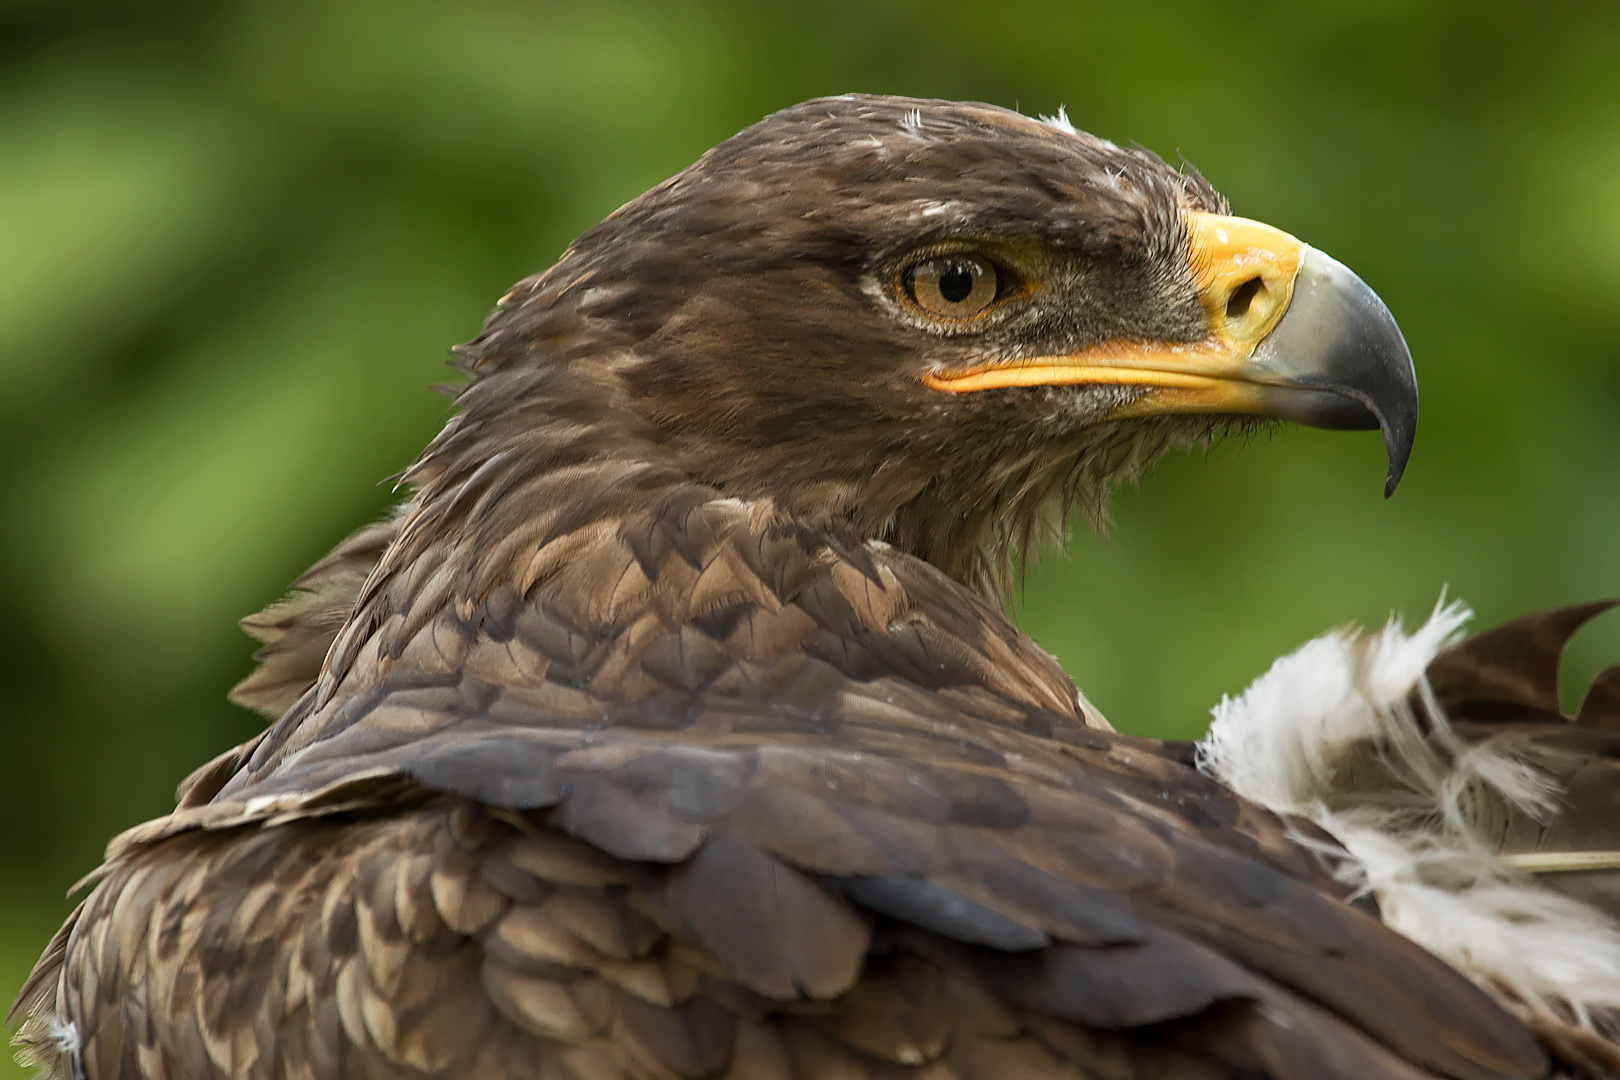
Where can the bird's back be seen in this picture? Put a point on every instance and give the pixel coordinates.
(700, 791)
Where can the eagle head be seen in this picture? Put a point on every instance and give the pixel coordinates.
(935, 324)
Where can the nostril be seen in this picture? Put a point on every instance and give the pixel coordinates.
(1242, 298)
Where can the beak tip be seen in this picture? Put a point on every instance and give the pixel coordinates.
(1340, 341)
(1398, 424)
(1398, 445)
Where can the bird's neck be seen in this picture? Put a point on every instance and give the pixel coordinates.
(540, 452)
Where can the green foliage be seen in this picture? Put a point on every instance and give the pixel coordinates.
(239, 235)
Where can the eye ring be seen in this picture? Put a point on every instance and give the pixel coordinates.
(956, 286)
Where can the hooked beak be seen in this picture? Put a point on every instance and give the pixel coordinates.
(1294, 334)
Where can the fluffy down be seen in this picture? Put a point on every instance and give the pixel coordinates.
(1346, 732)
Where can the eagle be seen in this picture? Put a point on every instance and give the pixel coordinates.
(673, 728)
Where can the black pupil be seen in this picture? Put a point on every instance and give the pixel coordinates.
(956, 282)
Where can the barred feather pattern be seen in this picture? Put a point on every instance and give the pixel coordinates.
(727, 800)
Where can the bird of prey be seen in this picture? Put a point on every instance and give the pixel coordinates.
(673, 729)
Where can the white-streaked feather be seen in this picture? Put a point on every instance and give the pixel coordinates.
(1299, 741)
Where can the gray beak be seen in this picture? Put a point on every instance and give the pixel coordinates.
(1337, 360)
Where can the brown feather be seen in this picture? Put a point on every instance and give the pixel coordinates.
(1515, 705)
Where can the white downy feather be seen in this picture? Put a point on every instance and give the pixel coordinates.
(1290, 740)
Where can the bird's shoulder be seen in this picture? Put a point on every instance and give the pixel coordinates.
(716, 622)
(697, 786)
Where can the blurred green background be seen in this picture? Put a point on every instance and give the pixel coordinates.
(236, 238)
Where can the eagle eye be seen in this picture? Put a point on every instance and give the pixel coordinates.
(954, 286)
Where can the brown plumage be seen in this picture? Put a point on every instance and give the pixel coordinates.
(674, 729)
(1501, 688)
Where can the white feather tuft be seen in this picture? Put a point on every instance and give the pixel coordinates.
(1280, 743)
(1060, 121)
(63, 1036)
(1305, 738)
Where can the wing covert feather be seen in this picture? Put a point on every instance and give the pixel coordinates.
(729, 802)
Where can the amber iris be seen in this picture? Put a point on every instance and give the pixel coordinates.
(952, 286)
